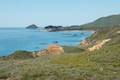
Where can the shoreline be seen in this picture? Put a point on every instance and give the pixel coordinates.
(71, 31)
(92, 31)
(77, 31)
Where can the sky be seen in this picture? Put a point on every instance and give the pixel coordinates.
(20, 13)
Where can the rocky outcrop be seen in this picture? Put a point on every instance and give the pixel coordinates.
(84, 42)
(40, 53)
(52, 49)
(55, 49)
(118, 32)
(98, 45)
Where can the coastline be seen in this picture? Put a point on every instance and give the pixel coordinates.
(76, 31)
(38, 45)
(70, 30)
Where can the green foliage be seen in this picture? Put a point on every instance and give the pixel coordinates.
(72, 49)
(106, 33)
(21, 55)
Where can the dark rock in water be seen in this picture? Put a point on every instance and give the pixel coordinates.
(55, 42)
(82, 33)
(74, 35)
(33, 26)
(66, 34)
(37, 47)
(43, 43)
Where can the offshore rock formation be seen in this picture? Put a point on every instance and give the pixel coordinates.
(32, 26)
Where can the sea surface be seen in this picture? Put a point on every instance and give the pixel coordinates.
(13, 39)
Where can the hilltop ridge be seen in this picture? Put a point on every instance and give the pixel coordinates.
(108, 21)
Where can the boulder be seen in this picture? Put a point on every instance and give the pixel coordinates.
(52, 49)
(55, 49)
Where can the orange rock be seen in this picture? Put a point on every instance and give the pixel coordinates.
(98, 45)
(40, 53)
(55, 49)
(84, 42)
(43, 53)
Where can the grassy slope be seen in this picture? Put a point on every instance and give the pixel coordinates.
(102, 22)
(103, 64)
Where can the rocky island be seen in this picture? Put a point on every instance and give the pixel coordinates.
(32, 26)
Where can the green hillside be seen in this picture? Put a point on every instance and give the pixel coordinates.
(108, 21)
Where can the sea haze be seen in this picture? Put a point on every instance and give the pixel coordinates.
(12, 39)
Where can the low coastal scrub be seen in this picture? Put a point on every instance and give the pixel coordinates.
(21, 55)
(74, 64)
(73, 49)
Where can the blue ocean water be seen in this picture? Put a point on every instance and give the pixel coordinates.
(12, 39)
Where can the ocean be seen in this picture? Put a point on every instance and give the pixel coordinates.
(13, 39)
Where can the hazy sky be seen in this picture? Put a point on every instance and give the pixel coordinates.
(20, 13)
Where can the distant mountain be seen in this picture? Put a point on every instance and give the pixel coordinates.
(109, 21)
(32, 26)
